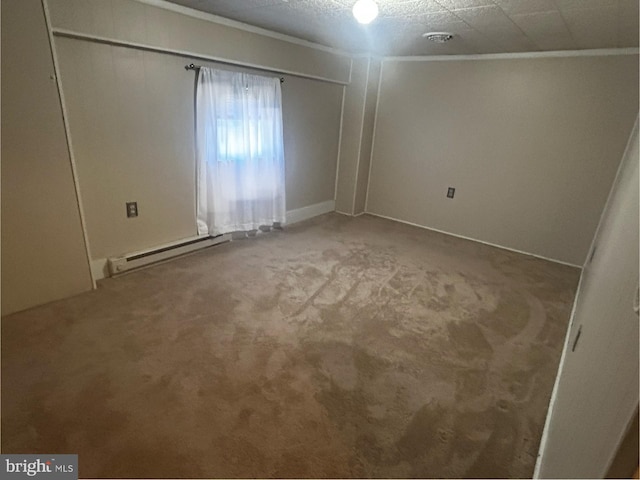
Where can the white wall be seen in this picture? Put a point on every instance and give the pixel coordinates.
(352, 121)
(358, 122)
(43, 250)
(368, 125)
(530, 144)
(596, 393)
(311, 118)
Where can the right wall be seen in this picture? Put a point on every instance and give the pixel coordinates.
(531, 146)
(596, 391)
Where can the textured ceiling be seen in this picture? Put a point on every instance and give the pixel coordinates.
(479, 26)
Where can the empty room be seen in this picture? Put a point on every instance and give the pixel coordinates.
(319, 238)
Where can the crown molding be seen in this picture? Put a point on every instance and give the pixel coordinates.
(603, 52)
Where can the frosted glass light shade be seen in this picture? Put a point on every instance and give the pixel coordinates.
(365, 11)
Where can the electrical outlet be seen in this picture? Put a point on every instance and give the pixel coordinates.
(132, 209)
(451, 192)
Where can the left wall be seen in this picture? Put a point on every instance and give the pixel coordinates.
(130, 107)
(43, 250)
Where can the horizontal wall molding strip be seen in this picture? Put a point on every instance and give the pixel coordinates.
(60, 32)
(505, 56)
(240, 26)
(554, 260)
(304, 213)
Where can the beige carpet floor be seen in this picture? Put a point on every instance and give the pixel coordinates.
(340, 347)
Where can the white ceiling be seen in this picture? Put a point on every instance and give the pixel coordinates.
(479, 26)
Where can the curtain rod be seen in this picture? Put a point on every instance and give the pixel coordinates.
(191, 66)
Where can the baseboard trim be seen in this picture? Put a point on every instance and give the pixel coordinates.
(515, 250)
(354, 215)
(99, 268)
(304, 213)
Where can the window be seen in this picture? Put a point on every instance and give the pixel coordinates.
(240, 151)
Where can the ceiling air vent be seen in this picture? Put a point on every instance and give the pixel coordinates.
(438, 37)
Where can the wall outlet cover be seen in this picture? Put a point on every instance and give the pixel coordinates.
(132, 209)
(451, 192)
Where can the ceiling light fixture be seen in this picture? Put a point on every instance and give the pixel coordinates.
(438, 37)
(365, 11)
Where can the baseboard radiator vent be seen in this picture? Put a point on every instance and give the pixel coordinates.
(124, 263)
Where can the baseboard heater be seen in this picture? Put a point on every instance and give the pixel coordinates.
(124, 263)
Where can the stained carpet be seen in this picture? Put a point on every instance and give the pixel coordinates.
(340, 347)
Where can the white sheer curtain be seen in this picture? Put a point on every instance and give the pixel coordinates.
(240, 153)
